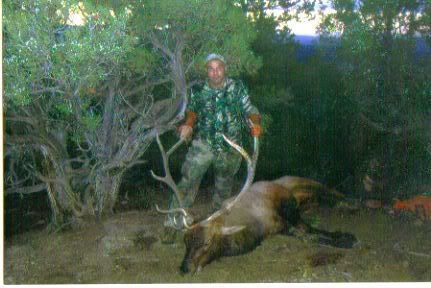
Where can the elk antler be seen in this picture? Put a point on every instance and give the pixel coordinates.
(167, 179)
(251, 168)
(251, 164)
(186, 218)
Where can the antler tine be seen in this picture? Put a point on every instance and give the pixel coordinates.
(251, 168)
(251, 165)
(175, 147)
(168, 177)
(176, 210)
(238, 148)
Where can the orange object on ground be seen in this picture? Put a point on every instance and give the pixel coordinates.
(420, 205)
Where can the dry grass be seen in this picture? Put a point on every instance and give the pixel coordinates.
(127, 249)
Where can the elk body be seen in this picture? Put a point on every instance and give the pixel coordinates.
(267, 208)
(260, 210)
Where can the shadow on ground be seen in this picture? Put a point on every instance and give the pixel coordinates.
(127, 249)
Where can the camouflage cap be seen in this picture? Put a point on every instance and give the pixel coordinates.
(214, 56)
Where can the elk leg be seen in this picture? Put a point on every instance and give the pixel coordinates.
(289, 212)
(335, 239)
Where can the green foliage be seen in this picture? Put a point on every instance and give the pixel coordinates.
(377, 45)
(65, 81)
(91, 122)
(385, 81)
(56, 71)
(63, 108)
(41, 44)
(203, 27)
(142, 60)
(28, 53)
(314, 110)
(47, 57)
(312, 220)
(96, 50)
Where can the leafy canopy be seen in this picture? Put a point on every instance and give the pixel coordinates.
(203, 27)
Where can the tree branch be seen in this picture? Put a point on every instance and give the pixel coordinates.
(48, 90)
(155, 41)
(131, 107)
(23, 119)
(146, 86)
(379, 127)
(27, 189)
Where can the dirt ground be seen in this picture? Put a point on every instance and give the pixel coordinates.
(126, 249)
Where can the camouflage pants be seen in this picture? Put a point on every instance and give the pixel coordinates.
(198, 159)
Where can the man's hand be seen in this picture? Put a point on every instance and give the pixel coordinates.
(255, 130)
(254, 123)
(185, 131)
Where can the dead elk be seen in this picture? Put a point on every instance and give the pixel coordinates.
(260, 209)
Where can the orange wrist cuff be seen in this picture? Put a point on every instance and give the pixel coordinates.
(191, 118)
(255, 118)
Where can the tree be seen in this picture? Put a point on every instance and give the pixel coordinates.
(82, 103)
(386, 80)
(60, 86)
(184, 32)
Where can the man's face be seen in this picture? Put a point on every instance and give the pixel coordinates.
(216, 73)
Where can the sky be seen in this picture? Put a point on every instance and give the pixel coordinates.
(304, 27)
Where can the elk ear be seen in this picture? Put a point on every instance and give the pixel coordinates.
(231, 230)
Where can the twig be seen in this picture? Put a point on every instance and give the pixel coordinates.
(401, 250)
(419, 254)
(130, 106)
(155, 41)
(27, 189)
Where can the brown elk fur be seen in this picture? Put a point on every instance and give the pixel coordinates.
(267, 208)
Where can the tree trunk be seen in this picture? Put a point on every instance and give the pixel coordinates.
(64, 201)
(106, 191)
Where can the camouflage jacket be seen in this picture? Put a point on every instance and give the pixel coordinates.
(221, 111)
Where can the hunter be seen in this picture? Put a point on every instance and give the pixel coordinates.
(220, 106)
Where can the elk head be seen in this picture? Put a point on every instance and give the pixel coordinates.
(205, 240)
(204, 244)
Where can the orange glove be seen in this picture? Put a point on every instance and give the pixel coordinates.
(186, 129)
(256, 130)
(255, 127)
(191, 118)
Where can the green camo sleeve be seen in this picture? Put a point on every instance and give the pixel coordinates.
(246, 107)
(191, 106)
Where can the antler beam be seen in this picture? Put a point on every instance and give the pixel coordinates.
(251, 168)
(167, 179)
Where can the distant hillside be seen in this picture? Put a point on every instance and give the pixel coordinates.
(308, 48)
(306, 39)
(423, 49)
